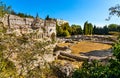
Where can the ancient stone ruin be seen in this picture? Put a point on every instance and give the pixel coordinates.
(19, 25)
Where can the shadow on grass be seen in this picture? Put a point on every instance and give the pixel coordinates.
(98, 53)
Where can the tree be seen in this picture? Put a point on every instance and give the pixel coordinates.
(114, 11)
(63, 30)
(2, 8)
(65, 26)
(118, 28)
(79, 30)
(112, 27)
(8, 9)
(97, 70)
(100, 30)
(76, 29)
(105, 30)
(59, 30)
(86, 28)
(90, 29)
(47, 17)
(13, 12)
(66, 33)
(23, 15)
(116, 51)
(94, 29)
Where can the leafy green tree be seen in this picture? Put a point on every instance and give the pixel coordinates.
(105, 30)
(118, 28)
(101, 30)
(79, 30)
(2, 9)
(13, 12)
(116, 50)
(8, 9)
(66, 33)
(47, 17)
(115, 10)
(65, 26)
(86, 28)
(94, 30)
(70, 30)
(76, 29)
(90, 29)
(22, 14)
(63, 30)
(112, 27)
(59, 30)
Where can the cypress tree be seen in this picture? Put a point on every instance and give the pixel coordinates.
(86, 28)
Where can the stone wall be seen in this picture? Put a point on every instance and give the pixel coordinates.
(50, 27)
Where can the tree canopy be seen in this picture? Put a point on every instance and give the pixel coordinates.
(67, 30)
(88, 28)
(115, 10)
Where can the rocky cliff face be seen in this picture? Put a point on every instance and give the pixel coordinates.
(16, 22)
(45, 28)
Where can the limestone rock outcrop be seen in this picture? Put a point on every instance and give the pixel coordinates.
(43, 28)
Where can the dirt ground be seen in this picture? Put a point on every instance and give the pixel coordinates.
(83, 47)
(86, 46)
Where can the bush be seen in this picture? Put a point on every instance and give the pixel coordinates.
(116, 51)
(91, 70)
(66, 33)
(97, 70)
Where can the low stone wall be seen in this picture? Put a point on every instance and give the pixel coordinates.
(85, 58)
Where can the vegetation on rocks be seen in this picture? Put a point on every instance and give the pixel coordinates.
(22, 56)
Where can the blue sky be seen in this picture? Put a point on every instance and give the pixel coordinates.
(74, 11)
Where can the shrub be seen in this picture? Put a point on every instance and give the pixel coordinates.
(97, 70)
